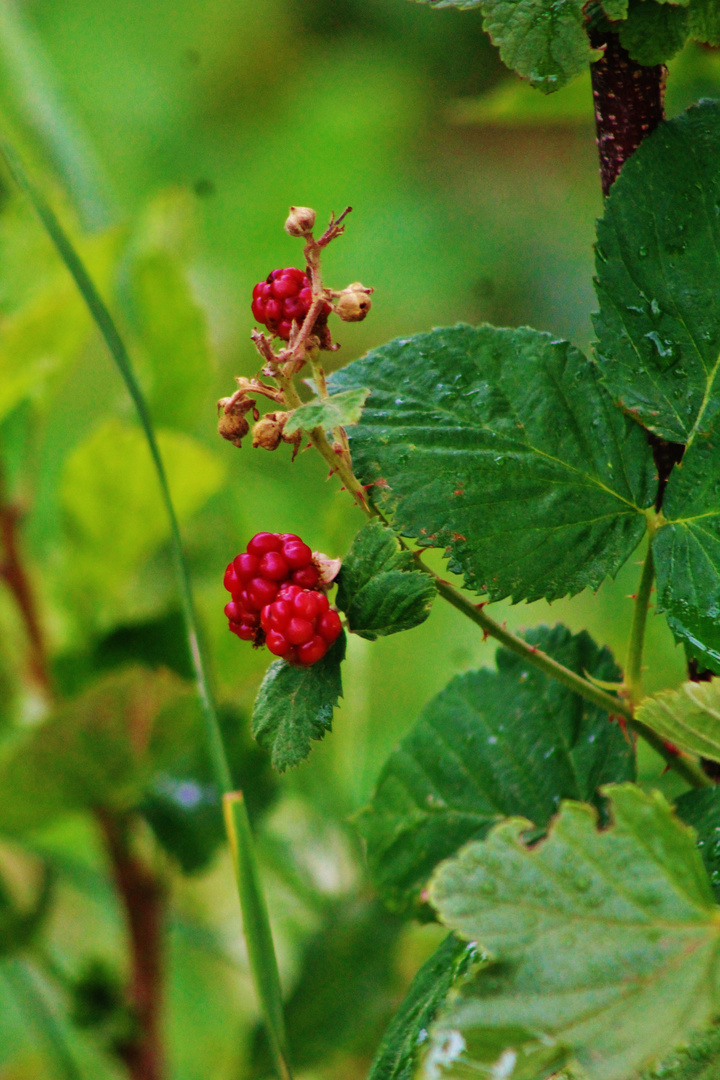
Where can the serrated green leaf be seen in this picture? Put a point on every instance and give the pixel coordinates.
(653, 32)
(698, 1061)
(339, 410)
(174, 334)
(501, 446)
(688, 717)
(615, 10)
(379, 588)
(544, 41)
(687, 551)
(658, 278)
(115, 516)
(396, 1056)
(490, 745)
(463, 4)
(605, 942)
(704, 21)
(701, 810)
(295, 705)
(96, 751)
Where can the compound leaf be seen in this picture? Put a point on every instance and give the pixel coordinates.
(704, 21)
(701, 810)
(542, 40)
(490, 745)
(698, 1061)
(658, 278)
(653, 32)
(295, 705)
(688, 717)
(501, 446)
(395, 1059)
(379, 588)
(96, 751)
(605, 943)
(339, 410)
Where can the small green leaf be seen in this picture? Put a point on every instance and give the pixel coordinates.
(98, 750)
(658, 278)
(396, 1056)
(174, 335)
(687, 551)
(688, 717)
(654, 32)
(295, 705)
(701, 810)
(542, 40)
(700, 1060)
(379, 588)
(112, 503)
(615, 10)
(490, 745)
(704, 21)
(605, 943)
(501, 446)
(339, 410)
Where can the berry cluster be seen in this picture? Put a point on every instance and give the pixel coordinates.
(275, 599)
(284, 296)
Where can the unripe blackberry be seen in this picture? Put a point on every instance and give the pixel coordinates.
(300, 626)
(284, 296)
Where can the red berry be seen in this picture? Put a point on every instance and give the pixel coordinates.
(246, 566)
(312, 652)
(260, 592)
(308, 577)
(278, 644)
(231, 581)
(308, 605)
(299, 631)
(243, 631)
(274, 567)
(284, 296)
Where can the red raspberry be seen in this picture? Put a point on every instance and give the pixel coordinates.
(272, 561)
(300, 625)
(284, 296)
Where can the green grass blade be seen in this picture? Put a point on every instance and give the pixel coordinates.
(20, 977)
(252, 901)
(257, 927)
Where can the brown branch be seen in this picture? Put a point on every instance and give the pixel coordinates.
(143, 898)
(13, 573)
(629, 103)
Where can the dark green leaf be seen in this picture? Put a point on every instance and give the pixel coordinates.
(687, 551)
(698, 1061)
(295, 705)
(395, 1059)
(98, 750)
(653, 32)
(346, 990)
(501, 446)
(615, 10)
(339, 410)
(658, 284)
(701, 809)
(379, 588)
(543, 41)
(704, 21)
(605, 942)
(490, 745)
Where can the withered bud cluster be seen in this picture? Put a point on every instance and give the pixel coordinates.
(268, 432)
(353, 303)
(300, 222)
(232, 424)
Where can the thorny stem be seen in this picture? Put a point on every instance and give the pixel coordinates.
(144, 901)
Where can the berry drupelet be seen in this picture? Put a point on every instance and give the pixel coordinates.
(284, 296)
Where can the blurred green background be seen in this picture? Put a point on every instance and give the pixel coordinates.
(172, 137)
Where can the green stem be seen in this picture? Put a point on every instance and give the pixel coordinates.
(120, 355)
(633, 664)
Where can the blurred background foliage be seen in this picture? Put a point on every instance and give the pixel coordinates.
(172, 137)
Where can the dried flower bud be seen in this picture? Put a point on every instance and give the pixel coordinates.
(301, 221)
(353, 303)
(232, 424)
(268, 430)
